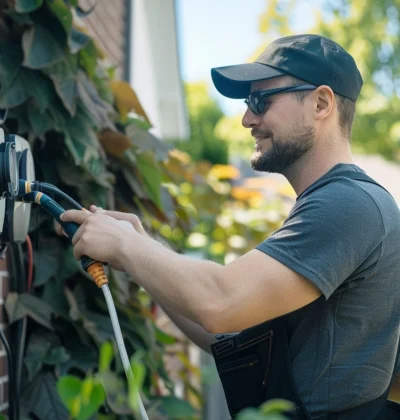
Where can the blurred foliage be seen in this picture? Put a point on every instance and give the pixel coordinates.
(370, 31)
(232, 218)
(239, 139)
(271, 410)
(89, 136)
(204, 113)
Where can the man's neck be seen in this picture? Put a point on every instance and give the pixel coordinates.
(314, 165)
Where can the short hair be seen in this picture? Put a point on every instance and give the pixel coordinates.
(346, 107)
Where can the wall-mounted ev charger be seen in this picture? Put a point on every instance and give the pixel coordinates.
(16, 162)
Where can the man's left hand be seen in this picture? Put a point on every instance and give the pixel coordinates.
(99, 237)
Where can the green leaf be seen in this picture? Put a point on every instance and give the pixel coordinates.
(20, 114)
(41, 399)
(53, 295)
(68, 264)
(47, 260)
(40, 48)
(164, 338)
(81, 131)
(10, 61)
(64, 74)
(79, 344)
(103, 85)
(116, 393)
(17, 93)
(21, 19)
(28, 84)
(77, 41)
(37, 348)
(40, 351)
(85, 149)
(83, 398)
(106, 356)
(175, 408)
(142, 124)
(62, 12)
(92, 399)
(56, 356)
(88, 59)
(99, 110)
(146, 141)
(276, 406)
(151, 174)
(136, 383)
(27, 6)
(79, 151)
(134, 182)
(40, 123)
(40, 88)
(69, 388)
(20, 306)
(251, 414)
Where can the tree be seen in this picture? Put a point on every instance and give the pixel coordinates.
(369, 30)
(204, 114)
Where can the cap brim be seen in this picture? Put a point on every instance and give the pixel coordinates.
(235, 81)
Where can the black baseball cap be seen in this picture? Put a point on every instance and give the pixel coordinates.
(312, 58)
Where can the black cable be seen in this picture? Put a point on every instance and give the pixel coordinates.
(13, 404)
(49, 188)
(18, 330)
(22, 324)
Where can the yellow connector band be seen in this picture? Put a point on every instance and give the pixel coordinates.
(96, 271)
(38, 197)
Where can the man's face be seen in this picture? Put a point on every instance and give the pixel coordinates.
(281, 132)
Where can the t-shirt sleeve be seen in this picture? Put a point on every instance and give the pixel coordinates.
(328, 234)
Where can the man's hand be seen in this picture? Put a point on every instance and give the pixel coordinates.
(100, 237)
(128, 217)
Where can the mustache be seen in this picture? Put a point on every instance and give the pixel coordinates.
(255, 132)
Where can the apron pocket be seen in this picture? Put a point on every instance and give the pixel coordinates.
(242, 380)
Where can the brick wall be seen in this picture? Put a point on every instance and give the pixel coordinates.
(108, 24)
(3, 356)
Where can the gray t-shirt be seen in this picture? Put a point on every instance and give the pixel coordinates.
(345, 238)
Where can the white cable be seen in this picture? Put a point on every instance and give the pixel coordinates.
(121, 345)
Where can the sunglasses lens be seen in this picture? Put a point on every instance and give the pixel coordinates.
(255, 103)
(260, 106)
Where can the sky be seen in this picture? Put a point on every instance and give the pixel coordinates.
(214, 33)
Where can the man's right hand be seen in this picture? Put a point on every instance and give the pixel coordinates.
(128, 217)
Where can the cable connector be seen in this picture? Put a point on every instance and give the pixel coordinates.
(96, 271)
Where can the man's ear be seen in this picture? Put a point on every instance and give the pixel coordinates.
(324, 102)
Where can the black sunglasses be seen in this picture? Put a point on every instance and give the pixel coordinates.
(256, 100)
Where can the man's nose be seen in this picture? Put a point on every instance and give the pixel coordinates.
(250, 119)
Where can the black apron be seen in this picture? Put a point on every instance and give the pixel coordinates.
(255, 365)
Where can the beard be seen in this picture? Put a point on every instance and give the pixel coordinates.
(283, 151)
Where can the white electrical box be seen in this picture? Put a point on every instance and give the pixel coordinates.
(17, 163)
(22, 211)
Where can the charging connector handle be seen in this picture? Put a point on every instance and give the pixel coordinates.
(56, 211)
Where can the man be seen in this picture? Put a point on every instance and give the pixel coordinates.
(318, 302)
